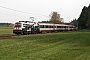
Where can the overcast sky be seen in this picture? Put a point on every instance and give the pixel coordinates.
(40, 9)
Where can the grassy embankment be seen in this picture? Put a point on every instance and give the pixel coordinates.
(58, 46)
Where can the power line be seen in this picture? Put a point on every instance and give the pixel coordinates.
(21, 11)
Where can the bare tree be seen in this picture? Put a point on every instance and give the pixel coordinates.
(55, 18)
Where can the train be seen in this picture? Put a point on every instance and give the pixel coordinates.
(28, 27)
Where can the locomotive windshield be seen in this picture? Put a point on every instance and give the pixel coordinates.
(17, 25)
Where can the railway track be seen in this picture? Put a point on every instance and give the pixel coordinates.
(8, 37)
(17, 36)
(12, 36)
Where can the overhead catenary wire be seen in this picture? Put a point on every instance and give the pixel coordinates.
(21, 11)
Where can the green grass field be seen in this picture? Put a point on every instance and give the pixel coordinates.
(56, 46)
(4, 31)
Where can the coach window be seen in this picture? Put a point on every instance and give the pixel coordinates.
(64, 26)
(67, 26)
(41, 26)
(60, 26)
(57, 26)
(54, 26)
(51, 26)
(70, 27)
(46, 26)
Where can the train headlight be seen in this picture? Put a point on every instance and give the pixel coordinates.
(14, 28)
(20, 28)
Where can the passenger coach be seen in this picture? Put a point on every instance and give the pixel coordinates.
(49, 28)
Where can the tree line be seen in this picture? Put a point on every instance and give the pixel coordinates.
(6, 24)
(83, 22)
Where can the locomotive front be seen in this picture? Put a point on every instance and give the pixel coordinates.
(18, 28)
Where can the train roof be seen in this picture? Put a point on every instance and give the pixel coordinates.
(55, 24)
(45, 24)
